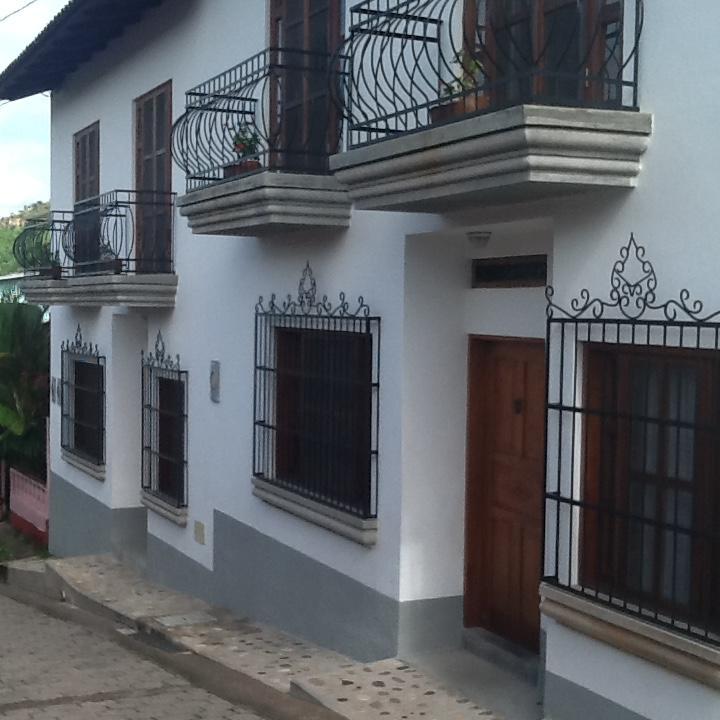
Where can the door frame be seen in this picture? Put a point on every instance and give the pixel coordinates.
(475, 475)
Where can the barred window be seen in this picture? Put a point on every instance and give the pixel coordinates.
(632, 496)
(316, 395)
(164, 427)
(83, 400)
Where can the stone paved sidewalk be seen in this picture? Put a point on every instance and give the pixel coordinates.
(56, 670)
(386, 690)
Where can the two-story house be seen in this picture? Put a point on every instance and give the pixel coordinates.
(304, 360)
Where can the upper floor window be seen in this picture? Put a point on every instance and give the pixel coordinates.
(153, 180)
(83, 400)
(86, 217)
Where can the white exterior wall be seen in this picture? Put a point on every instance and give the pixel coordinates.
(220, 280)
(420, 288)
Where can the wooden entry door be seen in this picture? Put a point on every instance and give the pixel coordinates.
(506, 440)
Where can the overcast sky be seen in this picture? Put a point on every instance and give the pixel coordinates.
(24, 124)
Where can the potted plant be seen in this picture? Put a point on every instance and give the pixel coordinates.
(464, 94)
(53, 269)
(246, 144)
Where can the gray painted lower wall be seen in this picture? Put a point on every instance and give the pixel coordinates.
(259, 578)
(564, 700)
(81, 525)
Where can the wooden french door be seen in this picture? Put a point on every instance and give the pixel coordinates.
(560, 51)
(87, 189)
(506, 441)
(153, 173)
(304, 34)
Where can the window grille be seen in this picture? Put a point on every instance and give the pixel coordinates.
(164, 426)
(83, 400)
(633, 424)
(316, 399)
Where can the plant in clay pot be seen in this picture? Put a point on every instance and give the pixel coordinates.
(246, 144)
(463, 95)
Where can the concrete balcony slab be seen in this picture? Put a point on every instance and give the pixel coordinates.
(512, 155)
(141, 290)
(267, 202)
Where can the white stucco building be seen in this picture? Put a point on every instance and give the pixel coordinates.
(307, 370)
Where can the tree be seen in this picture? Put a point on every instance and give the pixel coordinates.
(24, 373)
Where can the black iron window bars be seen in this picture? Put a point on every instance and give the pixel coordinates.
(164, 426)
(83, 400)
(633, 429)
(272, 111)
(415, 63)
(316, 399)
(123, 231)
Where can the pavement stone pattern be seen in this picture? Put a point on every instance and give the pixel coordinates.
(55, 670)
(390, 690)
(263, 653)
(385, 690)
(104, 580)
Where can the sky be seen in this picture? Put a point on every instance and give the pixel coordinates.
(24, 124)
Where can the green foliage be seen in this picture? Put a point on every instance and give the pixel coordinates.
(24, 371)
(8, 264)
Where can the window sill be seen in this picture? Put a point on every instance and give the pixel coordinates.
(165, 510)
(672, 651)
(88, 467)
(363, 532)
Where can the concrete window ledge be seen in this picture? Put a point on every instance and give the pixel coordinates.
(165, 510)
(363, 532)
(672, 651)
(89, 468)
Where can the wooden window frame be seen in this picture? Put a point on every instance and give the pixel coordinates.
(143, 263)
(604, 554)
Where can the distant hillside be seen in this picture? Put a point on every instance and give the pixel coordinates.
(30, 213)
(11, 227)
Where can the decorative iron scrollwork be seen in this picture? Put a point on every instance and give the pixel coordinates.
(633, 286)
(160, 359)
(79, 347)
(307, 304)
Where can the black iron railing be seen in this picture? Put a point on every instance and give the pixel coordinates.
(123, 231)
(633, 418)
(39, 247)
(416, 63)
(317, 385)
(273, 111)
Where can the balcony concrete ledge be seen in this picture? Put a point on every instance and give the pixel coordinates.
(673, 651)
(363, 532)
(512, 155)
(267, 202)
(145, 290)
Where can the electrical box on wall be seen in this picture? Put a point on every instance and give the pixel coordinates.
(215, 381)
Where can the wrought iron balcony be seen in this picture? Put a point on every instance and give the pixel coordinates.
(116, 248)
(272, 111)
(254, 144)
(412, 64)
(451, 103)
(38, 248)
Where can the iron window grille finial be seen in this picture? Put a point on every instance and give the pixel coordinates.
(306, 302)
(161, 359)
(79, 347)
(633, 294)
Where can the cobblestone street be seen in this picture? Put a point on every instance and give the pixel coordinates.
(55, 670)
